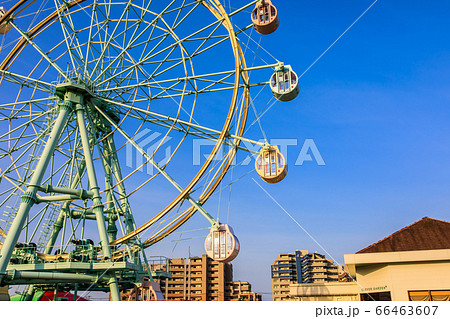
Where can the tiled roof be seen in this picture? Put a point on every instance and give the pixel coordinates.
(425, 234)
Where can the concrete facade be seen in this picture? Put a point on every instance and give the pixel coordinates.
(300, 267)
(203, 279)
(410, 264)
(401, 274)
(332, 291)
(284, 273)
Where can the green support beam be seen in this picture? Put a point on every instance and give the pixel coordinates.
(29, 198)
(194, 203)
(97, 203)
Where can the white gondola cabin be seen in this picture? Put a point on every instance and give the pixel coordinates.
(265, 17)
(221, 244)
(284, 84)
(271, 165)
(4, 27)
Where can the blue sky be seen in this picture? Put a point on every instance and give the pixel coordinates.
(376, 106)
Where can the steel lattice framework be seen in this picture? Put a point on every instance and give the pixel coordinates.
(77, 88)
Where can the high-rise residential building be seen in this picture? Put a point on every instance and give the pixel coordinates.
(300, 267)
(203, 279)
(284, 273)
(315, 268)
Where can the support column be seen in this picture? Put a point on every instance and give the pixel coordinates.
(128, 217)
(111, 216)
(75, 292)
(58, 225)
(29, 198)
(97, 203)
(123, 199)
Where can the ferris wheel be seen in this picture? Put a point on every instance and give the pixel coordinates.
(84, 84)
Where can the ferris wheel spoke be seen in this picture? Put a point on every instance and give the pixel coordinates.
(70, 35)
(25, 147)
(124, 47)
(167, 31)
(110, 38)
(94, 43)
(15, 108)
(130, 90)
(7, 194)
(90, 36)
(221, 38)
(33, 121)
(16, 186)
(9, 151)
(182, 126)
(27, 81)
(149, 158)
(160, 84)
(206, 78)
(151, 54)
(136, 65)
(38, 49)
(177, 21)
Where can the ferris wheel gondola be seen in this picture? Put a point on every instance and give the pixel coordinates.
(265, 17)
(284, 84)
(5, 27)
(221, 244)
(271, 165)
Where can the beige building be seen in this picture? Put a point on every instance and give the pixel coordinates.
(203, 279)
(301, 267)
(332, 291)
(411, 264)
(241, 291)
(284, 273)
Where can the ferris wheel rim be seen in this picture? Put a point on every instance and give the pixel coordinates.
(217, 10)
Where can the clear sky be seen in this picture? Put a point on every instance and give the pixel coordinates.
(375, 104)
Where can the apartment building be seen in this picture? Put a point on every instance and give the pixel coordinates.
(316, 268)
(241, 291)
(284, 273)
(203, 279)
(300, 267)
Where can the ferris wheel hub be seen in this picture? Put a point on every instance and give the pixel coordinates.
(74, 92)
(79, 94)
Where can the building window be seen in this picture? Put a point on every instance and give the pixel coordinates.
(377, 296)
(429, 295)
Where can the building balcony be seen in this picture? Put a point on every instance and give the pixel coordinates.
(283, 263)
(284, 271)
(281, 276)
(195, 274)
